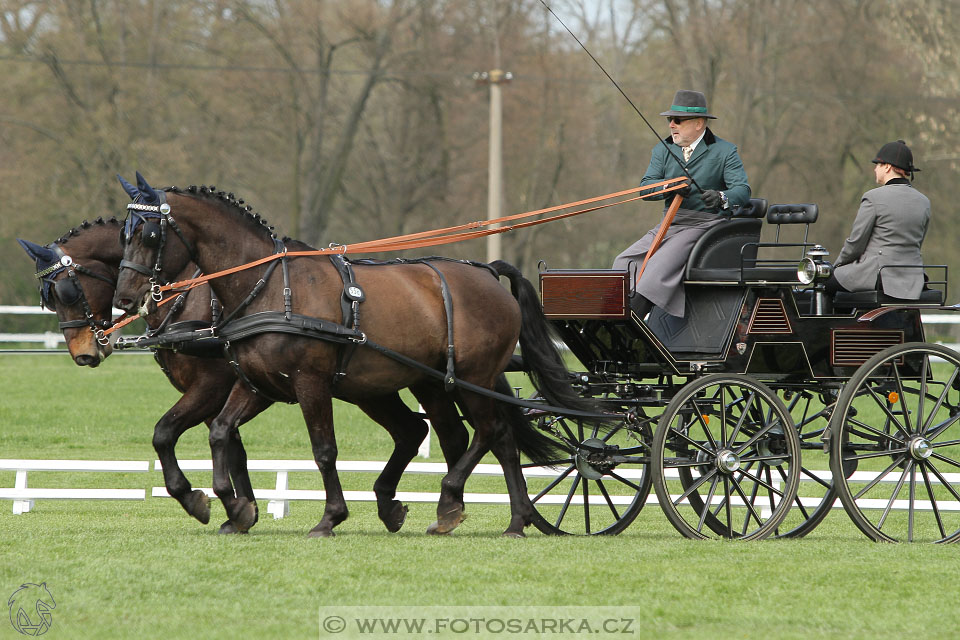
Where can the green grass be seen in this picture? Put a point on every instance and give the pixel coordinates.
(147, 570)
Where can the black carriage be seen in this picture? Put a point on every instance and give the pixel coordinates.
(729, 411)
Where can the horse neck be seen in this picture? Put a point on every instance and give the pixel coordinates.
(223, 239)
(196, 306)
(97, 242)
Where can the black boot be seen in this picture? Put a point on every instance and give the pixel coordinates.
(640, 305)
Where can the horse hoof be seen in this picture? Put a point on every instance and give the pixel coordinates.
(246, 515)
(197, 504)
(398, 515)
(318, 532)
(228, 528)
(513, 534)
(447, 523)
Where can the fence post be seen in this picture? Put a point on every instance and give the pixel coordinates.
(279, 508)
(21, 506)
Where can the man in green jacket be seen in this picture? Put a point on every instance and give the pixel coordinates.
(715, 166)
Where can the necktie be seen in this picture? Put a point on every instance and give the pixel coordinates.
(687, 152)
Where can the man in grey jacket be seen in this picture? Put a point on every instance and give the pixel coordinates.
(888, 230)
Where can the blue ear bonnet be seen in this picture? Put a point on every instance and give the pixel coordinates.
(51, 260)
(142, 194)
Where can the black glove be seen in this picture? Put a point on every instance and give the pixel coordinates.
(685, 191)
(711, 198)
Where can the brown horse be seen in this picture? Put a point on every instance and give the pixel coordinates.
(198, 371)
(403, 311)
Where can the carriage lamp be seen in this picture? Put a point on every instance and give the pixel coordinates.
(814, 266)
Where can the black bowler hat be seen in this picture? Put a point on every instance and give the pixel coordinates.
(897, 154)
(691, 104)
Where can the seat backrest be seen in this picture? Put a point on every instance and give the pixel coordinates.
(805, 214)
(755, 208)
(792, 213)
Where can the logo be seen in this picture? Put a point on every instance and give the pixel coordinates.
(30, 608)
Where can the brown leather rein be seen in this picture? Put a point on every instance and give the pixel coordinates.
(450, 235)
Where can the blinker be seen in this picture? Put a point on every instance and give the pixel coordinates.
(67, 291)
(150, 235)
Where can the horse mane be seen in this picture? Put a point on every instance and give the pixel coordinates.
(229, 201)
(85, 225)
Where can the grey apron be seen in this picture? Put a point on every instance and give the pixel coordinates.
(662, 281)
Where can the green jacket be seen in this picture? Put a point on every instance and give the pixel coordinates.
(715, 164)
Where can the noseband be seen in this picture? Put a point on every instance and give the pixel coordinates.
(73, 293)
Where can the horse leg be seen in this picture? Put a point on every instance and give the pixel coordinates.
(237, 459)
(193, 408)
(317, 408)
(504, 448)
(407, 430)
(440, 408)
(242, 405)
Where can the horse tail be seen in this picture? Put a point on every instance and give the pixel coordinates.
(541, 358)
(541, 450)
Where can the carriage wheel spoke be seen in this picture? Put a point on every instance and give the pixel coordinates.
(940, 399)
(810, 474)
(933, 500)
(902, 399)
(566, 504)
(586, 505)
(706, 505)
(876, 454)
(880, 435)
(726, 502)
(924, 370)
(944, 459)
(934, 432)
(623, 480)
(760, 482)
(882, 403)
(703, 424)
(880, 476)
(696, 484)
(893, 496)
(553, 483)
(944, 482)
(549, 463)
(606, 496)
(912, 496)
(743, 417)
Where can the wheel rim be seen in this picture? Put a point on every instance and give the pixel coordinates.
(601, 483)
(726, 459)
(898, 424)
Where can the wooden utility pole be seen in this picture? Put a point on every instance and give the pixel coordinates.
(494, 78)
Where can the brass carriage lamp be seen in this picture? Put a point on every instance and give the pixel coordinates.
(814, 266)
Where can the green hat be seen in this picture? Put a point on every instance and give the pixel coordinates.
(689, 103)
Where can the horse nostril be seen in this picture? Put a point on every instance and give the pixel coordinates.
(87, 361)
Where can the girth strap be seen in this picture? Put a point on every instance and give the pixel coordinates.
(350, 301)
(450, 379)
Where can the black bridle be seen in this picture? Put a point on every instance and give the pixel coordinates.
(69, 291)
(155, 220)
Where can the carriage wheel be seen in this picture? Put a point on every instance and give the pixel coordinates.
(599, 485)
(816, 494)
(726, 459)
(896, 424)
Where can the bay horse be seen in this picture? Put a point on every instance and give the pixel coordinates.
(81, 293)
(403, 310)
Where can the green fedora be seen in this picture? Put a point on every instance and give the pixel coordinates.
(689, 103)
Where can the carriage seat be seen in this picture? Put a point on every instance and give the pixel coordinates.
(875, 299)
(717, 253)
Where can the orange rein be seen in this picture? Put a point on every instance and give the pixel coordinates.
(661, 232)
(448, 235)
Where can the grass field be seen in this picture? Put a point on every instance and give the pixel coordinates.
(147, 570)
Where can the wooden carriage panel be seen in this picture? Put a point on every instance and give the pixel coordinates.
(584, 293)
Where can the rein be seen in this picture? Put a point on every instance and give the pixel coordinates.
(436, 237)
(450, 235)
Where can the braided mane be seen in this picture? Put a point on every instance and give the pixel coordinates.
(229, 200)
(85, 225)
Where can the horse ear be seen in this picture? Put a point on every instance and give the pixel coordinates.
(129, 188)
(40, 254)
(150, 195)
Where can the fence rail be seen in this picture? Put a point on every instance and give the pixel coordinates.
(280, 497)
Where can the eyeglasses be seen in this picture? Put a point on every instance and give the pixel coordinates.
(678, 119)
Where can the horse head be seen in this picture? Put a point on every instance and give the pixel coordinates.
(77, 282)
(152, 254)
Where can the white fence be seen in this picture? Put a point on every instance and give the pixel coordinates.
(281, 496)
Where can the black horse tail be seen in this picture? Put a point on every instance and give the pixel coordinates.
(541, 450)
(541, 358)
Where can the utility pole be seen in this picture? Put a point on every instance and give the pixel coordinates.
(494, 78)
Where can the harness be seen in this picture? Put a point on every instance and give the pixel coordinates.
(347, 333)
(70, 292)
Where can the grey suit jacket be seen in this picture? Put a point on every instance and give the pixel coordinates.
(888, 230)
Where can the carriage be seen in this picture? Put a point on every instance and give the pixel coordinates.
(732, 412)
